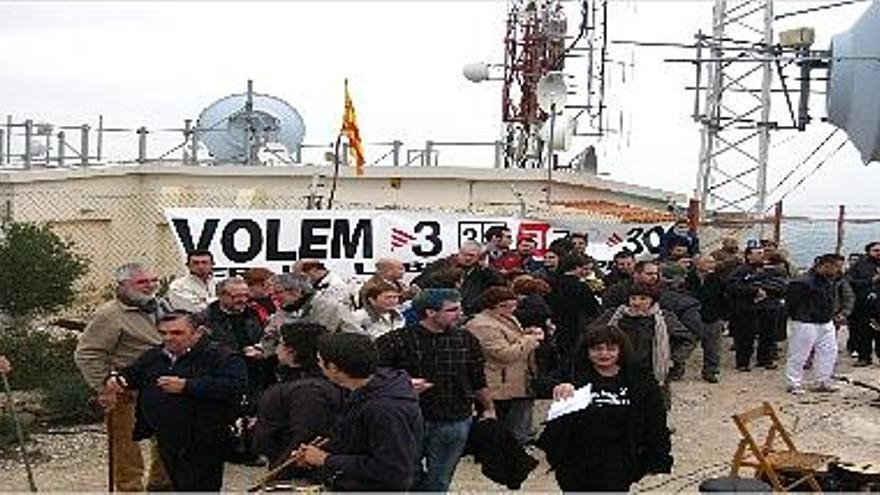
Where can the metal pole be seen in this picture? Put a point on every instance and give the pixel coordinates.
(142, 145)
(345, 154)
(777, 223)
(803, 116)
(195, 143)
(712, 101)
(249, 125)
(187, 134)
(8, 138)
(61, 145)
(84, 145)
(764, 136)
(395, 154)
(100, 144)
(2, 145)
(499, 154)
(550, 155)
(18, 433)
(429, 150)
(841, 218)
(28, 134)
(335, 181)
(48, 147)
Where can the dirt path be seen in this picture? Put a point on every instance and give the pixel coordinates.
(705, 438)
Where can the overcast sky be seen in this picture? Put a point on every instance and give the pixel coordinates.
(157, 63)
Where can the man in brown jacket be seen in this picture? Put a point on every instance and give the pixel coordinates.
(120, 331)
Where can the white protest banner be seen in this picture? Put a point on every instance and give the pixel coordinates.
(350, 241)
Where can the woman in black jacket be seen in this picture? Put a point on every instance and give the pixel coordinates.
(622, 434)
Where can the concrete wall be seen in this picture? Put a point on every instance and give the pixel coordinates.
(115, 214)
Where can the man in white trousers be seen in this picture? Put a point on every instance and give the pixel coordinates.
(810, 304)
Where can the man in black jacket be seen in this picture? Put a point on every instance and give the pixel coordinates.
(756, 290)
(864, 278)
(809, 303)
(573, 305)
(233, 323)
(704, 284)
(377, 444)
(189, 389)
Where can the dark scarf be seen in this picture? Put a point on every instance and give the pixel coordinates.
(149, 306)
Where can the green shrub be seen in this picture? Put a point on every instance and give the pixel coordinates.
(37, 357)
(39, 270)
(71, 400)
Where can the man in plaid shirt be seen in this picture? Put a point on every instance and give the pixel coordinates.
(446, 363)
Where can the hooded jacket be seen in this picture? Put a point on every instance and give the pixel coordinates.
(377, 445)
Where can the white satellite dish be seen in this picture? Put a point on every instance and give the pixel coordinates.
(852, 101)
(476, 72)
(552, 91)
(224, 126)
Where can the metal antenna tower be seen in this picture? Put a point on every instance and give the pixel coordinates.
(536, 43)
(735, 134)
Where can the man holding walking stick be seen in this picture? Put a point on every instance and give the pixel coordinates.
(121, 330)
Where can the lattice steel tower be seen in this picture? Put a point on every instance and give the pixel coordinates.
(735, 134)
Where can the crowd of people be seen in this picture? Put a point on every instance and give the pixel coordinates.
(379, 386)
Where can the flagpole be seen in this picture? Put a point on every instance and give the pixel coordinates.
(335, 171)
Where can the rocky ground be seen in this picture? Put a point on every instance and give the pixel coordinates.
(844, 423)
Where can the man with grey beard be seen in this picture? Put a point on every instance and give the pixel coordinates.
(120, 331)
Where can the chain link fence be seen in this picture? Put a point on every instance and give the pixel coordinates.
(806, 231)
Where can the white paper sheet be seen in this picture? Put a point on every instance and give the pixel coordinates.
(581, 399)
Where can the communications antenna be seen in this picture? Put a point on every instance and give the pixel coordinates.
(237, 127)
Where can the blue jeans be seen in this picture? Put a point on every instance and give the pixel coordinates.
(444, 444)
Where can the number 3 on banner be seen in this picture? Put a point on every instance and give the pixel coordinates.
(432, 237)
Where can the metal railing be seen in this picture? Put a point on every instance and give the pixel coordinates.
(26, 144)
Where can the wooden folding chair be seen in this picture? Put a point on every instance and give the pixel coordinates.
(770, 461)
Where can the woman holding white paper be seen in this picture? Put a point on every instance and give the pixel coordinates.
(621, 435)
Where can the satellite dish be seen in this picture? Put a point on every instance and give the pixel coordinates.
(476, 72)
(551, 90)
(563, 129)
(223, 126)
(852, 102)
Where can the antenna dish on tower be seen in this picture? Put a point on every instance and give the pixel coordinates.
(551, 91)
(476, 72)
(236, 127)
(852, 101)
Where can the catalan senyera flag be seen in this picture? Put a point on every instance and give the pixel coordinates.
(351, 131)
